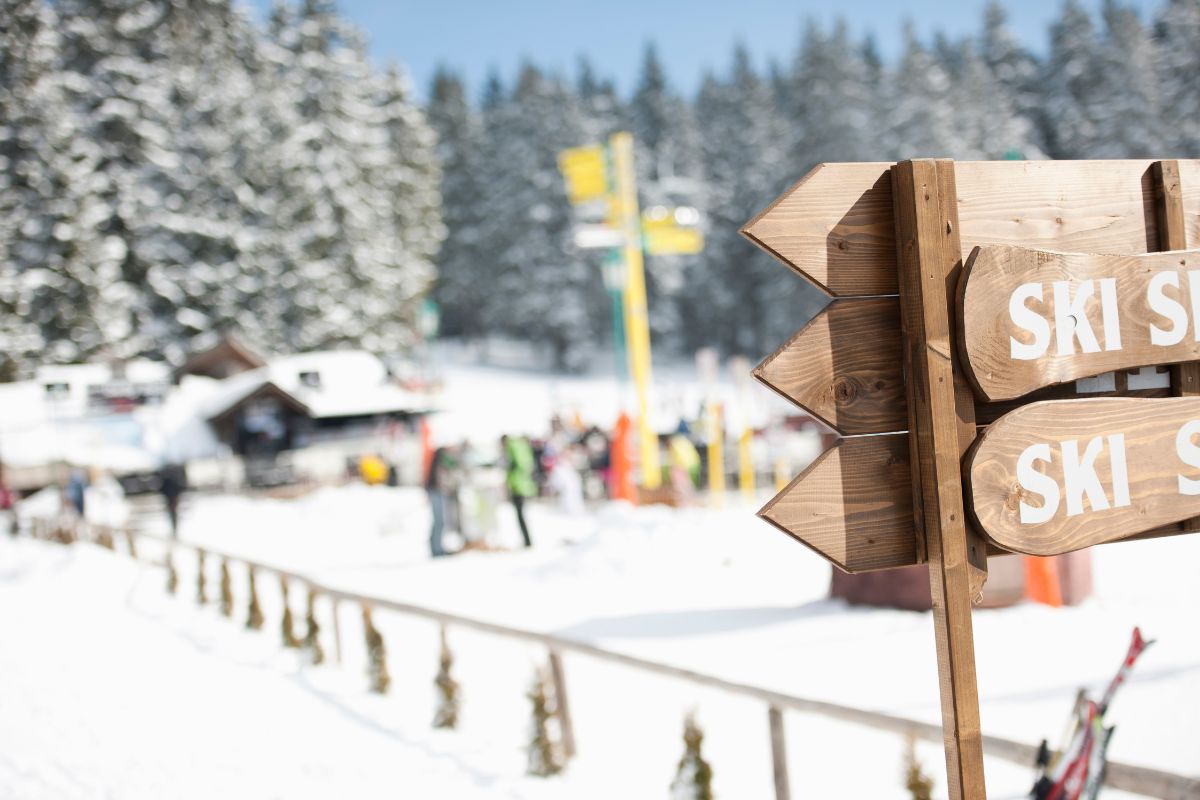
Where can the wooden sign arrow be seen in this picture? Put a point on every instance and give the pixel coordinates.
(1052, 477)
(1031, 318)
(843, 367)
(836, 226)
(853, 505)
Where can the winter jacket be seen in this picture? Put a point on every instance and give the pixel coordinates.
(519, 475)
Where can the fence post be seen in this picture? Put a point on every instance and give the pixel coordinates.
(562, 709)
(337, 630)
(779, 754)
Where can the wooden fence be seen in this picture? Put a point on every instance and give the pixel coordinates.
(1125, 777)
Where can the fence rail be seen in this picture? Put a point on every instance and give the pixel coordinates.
(1125, 777)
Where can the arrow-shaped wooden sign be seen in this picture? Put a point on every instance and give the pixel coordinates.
(1031, 318)
(1053, 477)
(836, 226)
(843, 367)
(853, 505)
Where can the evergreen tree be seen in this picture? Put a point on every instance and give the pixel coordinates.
(1128, 108)
(746, 162)
(1071, 85)
(448, 701)
(545, 751)
(918, 784)
(377, 669)
(832, 100)
(1013, 67)
(1179, 76)
(462, 287)
(922, 121)
(542, 290)
(226, 590)
(669, 169)
(312, 638)
(201, 592)
(693, 776)
(254, 616)
(287, 625)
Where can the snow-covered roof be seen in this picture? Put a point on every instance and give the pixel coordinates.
(337, 383)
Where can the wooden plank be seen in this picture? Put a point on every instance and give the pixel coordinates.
(843, 367)
(779, 768)
(1031, 318)
(1054, 477)
(1173, 235)
(929, 255)
(852, 505)
(835, 226)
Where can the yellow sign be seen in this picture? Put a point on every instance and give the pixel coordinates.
(673, 240)
(585, 172)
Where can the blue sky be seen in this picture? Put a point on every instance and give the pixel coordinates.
(692, 37)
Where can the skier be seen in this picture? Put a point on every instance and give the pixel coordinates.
(172, 481)
(439, 483)
(518, 477)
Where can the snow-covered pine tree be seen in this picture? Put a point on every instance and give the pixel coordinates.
(226, 590)
(254, 616)
(918, 784)
(543, 290)
(201, 590)
(462, 287)
(1127, 108)
(357, 243)
(746, 166)
(668, 164)
(693, 776)
(312, 632)
(377, 669)
(446, 715)
(287, 626)
(921, 119)
(1013, 66)
(1070, 85)
(49, 295)
(989, 125)
(832, 100)
(545, 750)
(1179, 76)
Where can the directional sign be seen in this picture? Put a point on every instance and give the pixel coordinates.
(843, 367)
(1053, 477)
(836, 226)
(585, 171)
(1031, 318)
(853, 505)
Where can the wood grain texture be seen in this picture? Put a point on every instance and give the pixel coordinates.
(843, 367)
(1149, 427)
(987, 329)
(929, 255)
(1173, 235)
(852, 505)
(835, 227)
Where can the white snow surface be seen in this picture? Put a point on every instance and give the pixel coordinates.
(114, 688)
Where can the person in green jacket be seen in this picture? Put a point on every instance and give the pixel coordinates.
(518, 477)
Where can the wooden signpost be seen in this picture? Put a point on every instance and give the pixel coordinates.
(1017, 404)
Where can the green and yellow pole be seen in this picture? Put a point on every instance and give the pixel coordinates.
(637, 323)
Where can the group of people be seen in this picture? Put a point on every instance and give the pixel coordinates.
(446, 475)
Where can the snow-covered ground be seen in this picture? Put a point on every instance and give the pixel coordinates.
(715, 590)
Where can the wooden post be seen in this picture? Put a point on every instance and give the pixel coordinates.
(778, 754)
(941, 424)
(563, 709)
(337, 631)
(1172, 235)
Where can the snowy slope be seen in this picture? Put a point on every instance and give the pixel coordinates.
(722, 592)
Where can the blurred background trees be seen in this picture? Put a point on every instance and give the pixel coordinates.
(171, 170)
